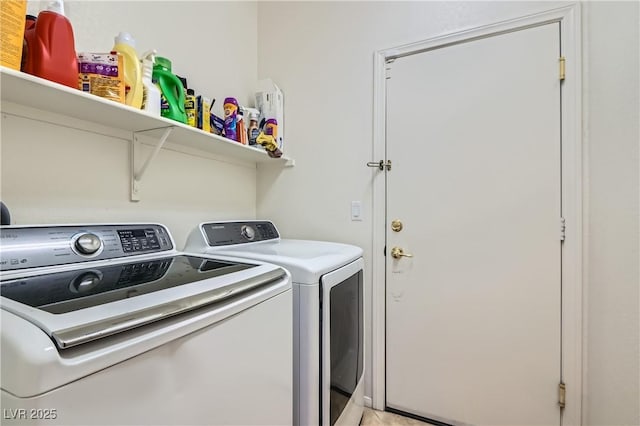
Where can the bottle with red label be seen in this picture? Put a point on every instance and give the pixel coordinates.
(50, 47)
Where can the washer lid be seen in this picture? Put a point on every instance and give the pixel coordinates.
(307, 260)
(77, 305)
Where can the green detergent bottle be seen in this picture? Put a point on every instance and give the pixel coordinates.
(171, 89)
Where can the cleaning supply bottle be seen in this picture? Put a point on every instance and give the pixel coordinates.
(242, 131)
(126, 45)
(231, 118)
(190, 107)
(50, 47)
(151, 93)
(171, 89)
(253, 131)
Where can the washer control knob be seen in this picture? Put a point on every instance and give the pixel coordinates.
(88, 244)
(85, 282)
(248, 232)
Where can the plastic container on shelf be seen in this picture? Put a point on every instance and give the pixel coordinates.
(50, 51)
(242, 131)
(171, 89)
(190, 106)
(231, 118)
(151, 94)
(126, 45)
(253, 131)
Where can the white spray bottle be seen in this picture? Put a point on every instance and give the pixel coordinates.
(151, 93)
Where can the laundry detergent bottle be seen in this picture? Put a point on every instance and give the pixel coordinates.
(50, 50)
(171, 89)
(151, 98)
(126, 45)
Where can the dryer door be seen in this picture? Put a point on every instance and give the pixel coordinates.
(342, 345)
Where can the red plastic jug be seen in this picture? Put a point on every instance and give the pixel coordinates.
(50, 48)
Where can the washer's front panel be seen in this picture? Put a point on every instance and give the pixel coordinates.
(22, 248)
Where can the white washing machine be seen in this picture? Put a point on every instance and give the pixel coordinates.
(327, 313)
(109, 324)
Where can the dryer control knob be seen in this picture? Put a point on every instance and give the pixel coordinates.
(248, 232)
(88, 243)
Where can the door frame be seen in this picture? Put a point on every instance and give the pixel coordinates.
(572, 196)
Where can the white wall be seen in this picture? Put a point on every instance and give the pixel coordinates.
(55, 174)
(612, 107)
(321, 54)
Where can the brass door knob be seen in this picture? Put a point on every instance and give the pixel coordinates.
(397, 253)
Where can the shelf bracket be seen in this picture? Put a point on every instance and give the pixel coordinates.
(136, 175)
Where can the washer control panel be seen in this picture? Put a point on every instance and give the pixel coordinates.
(231, 233)
(29, 247)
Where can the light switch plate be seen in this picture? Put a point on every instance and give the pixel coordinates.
(356, 210)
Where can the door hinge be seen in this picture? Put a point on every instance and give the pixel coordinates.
(387, 69)
(562, 395)
(562, 68)
(563, 228)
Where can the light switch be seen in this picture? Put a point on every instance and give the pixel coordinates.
(356, 210)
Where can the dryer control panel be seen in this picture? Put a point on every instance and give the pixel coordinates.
(232, 233)
(28, 247)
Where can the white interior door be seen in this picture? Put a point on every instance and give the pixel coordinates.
(473, 318)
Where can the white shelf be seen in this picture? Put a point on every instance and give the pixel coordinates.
(24, 89)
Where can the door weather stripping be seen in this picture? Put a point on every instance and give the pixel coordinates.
(136, 175)
(563, 228)
(380, 165)
(562, 68)
(562, 395)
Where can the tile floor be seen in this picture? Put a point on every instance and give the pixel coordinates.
(383, 418)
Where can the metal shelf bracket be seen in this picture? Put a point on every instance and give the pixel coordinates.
(136, 175)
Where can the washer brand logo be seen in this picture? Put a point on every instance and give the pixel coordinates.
(8, 235)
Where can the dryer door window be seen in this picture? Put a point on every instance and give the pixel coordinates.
(346, 349)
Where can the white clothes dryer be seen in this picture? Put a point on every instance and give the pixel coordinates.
(328, 303)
